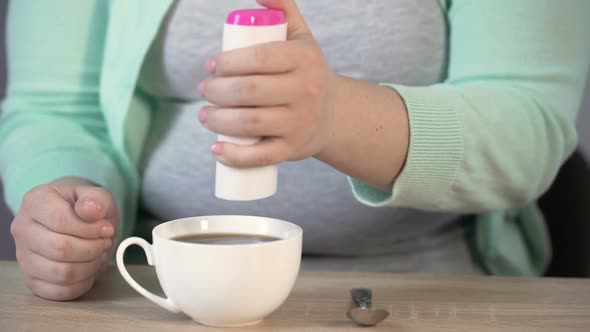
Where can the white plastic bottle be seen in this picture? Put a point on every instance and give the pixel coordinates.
(243, 28)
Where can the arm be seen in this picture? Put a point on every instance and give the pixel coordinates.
(494, 135)
(371, 133)
(52, 125)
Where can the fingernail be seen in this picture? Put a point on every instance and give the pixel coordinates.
(107, 231)
(92, 204)
(203, 114)
(201, 87)
(210, 65)
(217, 148)
(108, 243)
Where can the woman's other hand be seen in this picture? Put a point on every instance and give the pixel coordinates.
(64, 237)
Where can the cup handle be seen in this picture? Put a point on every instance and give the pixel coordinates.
(165, 303)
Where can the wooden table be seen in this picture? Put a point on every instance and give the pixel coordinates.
(318, 303)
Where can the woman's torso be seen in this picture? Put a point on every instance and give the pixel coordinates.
(398, 41)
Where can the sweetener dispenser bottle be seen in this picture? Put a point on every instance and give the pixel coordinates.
(243, 28)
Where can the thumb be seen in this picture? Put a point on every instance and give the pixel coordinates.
(93, 204)
(297, 27)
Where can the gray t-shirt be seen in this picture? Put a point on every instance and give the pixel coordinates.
(400, 41)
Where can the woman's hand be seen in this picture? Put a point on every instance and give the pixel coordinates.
(281, 91)
(286, 93)
(63, 234)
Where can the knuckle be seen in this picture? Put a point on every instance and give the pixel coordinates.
(59, 217)
(15, 229)
(29, 197)
(43, 189)
(311, 56)
(313, 90)
(61, 248)
(64, 273)
(261, 57)
(249, 122)
(247, 89)
(37, 288)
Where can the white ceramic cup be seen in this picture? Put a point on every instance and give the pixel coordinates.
(221, 285)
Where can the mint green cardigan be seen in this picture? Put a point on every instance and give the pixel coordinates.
(487, 141)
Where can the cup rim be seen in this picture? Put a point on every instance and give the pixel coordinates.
(297, 232)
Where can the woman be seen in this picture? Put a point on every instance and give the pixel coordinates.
(101, 121)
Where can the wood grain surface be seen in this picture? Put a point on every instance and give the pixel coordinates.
(318, 303)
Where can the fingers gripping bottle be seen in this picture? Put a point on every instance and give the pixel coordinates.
(244, 28)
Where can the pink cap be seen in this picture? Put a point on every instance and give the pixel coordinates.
(256, 17)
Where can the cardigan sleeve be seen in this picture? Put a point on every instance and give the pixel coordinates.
(495, 133)
(52, 125)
